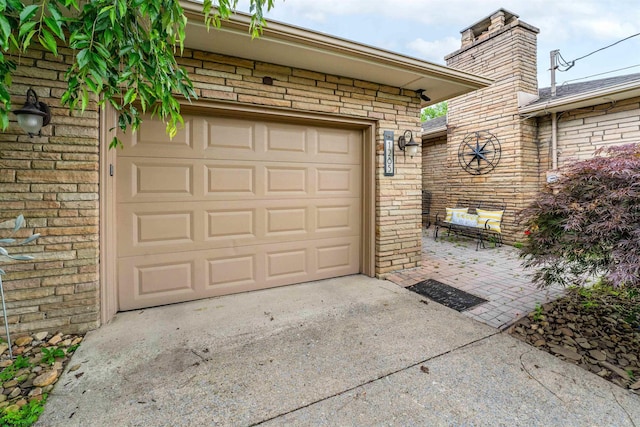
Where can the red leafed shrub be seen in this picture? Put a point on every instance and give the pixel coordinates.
(588, 223)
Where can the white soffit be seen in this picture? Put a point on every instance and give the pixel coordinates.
(296, 47)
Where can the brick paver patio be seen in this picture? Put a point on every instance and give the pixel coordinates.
(494, 274)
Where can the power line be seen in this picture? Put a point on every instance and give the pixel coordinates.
(570, 64)
(599, 74)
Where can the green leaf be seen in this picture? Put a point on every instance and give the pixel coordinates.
(5, 30)
(84, 99)
(130, 96)
(27, 40)
(25, 28)
(82, 58)
(4, 119)
(47, 41)
(28, 12)
(116, 143)
(54, 26)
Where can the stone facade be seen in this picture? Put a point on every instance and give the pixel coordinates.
(581, 132)
(53, 179)
(503, 49)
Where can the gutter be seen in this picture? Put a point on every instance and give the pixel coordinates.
(601, 96)
(437, 131)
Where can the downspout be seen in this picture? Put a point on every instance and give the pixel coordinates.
(554, 119)
(554, 141)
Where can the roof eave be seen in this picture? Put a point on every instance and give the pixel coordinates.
(367, 63)
(582, 100)
(435, 132)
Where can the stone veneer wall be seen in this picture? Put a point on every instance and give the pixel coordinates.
(53, 179)
(507, 54)
(434, 174)
(582, 131)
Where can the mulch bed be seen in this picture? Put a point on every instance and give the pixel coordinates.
(599, 332)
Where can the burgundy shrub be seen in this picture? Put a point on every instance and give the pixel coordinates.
(587, 225)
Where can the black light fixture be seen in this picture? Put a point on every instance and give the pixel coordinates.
(33, 115)
(407, 144)
(424, 97)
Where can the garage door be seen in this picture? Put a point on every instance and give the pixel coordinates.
(231, 205)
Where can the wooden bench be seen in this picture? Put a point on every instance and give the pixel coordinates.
(479, 220)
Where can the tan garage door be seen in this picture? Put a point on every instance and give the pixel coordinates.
(233, 205)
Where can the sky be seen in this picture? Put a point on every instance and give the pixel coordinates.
(430, 29)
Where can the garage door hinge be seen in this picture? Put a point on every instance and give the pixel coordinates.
(110, 170)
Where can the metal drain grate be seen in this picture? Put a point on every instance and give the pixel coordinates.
(446, 295)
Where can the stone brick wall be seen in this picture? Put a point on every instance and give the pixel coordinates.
(434, 174)
(582, 131)
(507, 54)
(53, 179)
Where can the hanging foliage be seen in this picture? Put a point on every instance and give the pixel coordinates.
(124, 51)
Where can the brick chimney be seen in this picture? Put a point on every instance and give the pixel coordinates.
(502, 48)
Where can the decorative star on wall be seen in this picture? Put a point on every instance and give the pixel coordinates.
(479, 152)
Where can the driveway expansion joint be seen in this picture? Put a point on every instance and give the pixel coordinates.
(382, 377)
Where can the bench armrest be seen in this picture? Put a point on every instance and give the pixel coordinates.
(487, 226)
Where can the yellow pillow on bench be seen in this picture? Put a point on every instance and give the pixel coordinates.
(450, 212)
(494, 219)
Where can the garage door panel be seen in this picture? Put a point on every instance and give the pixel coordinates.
(231, 205)
(281, 221)
(156, 228)
(146, 229)
(289, 180)
(338, 143)
(282, 143)
(181, 277)
(287, 139)
(230, 135)
(140, 179)
(154, 134)
(151, 179)
(332, 257)
(164, 227)
(232, 270)
(231, 224)
(165, 279)
(224, 180)
(288, 265)
(336, 218)
(215, 138)
(151, 137)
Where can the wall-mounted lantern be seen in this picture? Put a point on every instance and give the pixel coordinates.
(407, 144)
(33, 115)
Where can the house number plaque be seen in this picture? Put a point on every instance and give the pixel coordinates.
(389, 159)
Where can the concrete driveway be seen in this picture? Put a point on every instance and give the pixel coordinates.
(348, 351)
